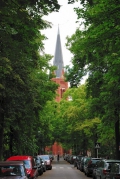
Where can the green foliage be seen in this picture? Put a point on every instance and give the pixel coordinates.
(88, 126)
(25, 75)
(29, 118)
(96, 51)
(69, 120)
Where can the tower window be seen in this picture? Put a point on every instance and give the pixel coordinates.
(62, 91)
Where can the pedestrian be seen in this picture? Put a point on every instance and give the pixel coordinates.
(58, 157)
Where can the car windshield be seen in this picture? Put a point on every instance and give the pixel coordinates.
(95, 161)
(79, 157)
(45, 157)
(10, 170)
(27, 164)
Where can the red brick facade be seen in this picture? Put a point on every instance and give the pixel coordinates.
(63, 86)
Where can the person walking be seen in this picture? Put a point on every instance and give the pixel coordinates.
(58, 157)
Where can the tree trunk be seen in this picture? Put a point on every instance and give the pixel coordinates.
(11, 141)
(117, 137)
(1, 127)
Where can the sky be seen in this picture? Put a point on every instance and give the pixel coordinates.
(66, 19)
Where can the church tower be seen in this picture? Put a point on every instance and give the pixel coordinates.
(56, 148)
(58, 57)
(59, 72)
(59, 79)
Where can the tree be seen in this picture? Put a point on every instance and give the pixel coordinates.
(25, 84)
(71, 121)
(96, 51)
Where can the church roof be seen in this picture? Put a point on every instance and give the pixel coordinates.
(58, 57)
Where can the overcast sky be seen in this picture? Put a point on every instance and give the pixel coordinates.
(66, 19)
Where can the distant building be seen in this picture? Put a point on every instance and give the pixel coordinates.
(59, 73)
(63, 86)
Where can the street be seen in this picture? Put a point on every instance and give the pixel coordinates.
(62, 170)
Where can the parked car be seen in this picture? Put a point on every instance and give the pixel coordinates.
(94, 170)
(29, 163)
(13, 169)
(44, 163)
(66, 156)
(85, 164)
(72, 159)
(114, 171)
(52, 157)
(39, 165)
(103, 168)
(82, 163)
(77, 161)
(90, 165)
(48, 161)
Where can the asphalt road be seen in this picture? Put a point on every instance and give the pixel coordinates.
(63, 170)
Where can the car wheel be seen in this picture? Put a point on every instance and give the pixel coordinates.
(87, 174)
(41, 172)
(45, 169)
(50, 167)
(98, 177)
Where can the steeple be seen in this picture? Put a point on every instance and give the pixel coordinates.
(58, 57)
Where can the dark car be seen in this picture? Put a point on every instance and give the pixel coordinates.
(66, 156)
(13, 169)
(39, 165)
(72, 159)
(90, 165)
(114, 171)
(103, 168)
(94, 170)
(52, 157)
(48, 161)
(29, 163)
(82, 163)
(43, 162)
(77, 161)
(85, 164)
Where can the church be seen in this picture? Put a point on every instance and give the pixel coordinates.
(63, 86)
(59, 73)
